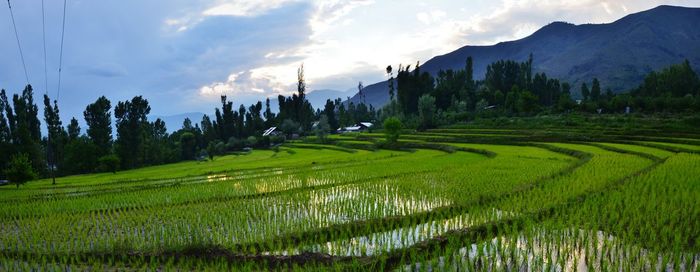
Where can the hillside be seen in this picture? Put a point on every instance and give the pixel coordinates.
(620, 54)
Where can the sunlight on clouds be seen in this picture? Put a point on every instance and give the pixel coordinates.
(347, 40)
(244, 8)
(329, 11)
(257, 81)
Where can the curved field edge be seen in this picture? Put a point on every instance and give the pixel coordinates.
(435, 246)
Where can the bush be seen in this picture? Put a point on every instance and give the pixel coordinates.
(109, 163)
(251, 141)
(392, 129)
(19, 170)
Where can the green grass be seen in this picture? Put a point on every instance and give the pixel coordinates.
(446, 200)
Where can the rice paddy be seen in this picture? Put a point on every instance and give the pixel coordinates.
(447, 199)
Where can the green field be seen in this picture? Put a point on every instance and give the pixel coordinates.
(447, 199)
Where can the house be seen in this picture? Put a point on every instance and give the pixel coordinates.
(272, 131)
(365, 125)
(350, 129)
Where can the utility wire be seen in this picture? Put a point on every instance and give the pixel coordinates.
(43, 35)
(60, 58)
(19, 45)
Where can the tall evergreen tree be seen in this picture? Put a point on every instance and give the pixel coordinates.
(27, 132)
(5, 135)
(269, 115)
(99, 121)
(329, 112)
(132, 123)
(73, 129)
(208, 130)
(595, 90)
(56, 136)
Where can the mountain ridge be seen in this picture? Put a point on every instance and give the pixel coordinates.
(619, 53)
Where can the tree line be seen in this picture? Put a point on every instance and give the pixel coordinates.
(137, 141)
(417, 99)
(510, 88)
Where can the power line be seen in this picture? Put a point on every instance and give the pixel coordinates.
(43, 35)
(19, 45)
(60, 58)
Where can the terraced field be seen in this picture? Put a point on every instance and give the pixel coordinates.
(447, 199)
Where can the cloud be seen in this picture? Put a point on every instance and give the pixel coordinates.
(278, 73)
(245, 83)
(516, 19)
(245, 8)
(103, 70)
(430, 17)
(181, 54)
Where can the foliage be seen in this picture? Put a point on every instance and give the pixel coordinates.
(290, 127)
(19, 170)
(109, 163)
(99, 120)
(322, 129)
(392, 129)
(426, 111)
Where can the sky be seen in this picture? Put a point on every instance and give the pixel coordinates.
(182, 55)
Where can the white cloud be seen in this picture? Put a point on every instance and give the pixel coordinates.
(517, 19)
(430, 17)
(347, 41)
(255, 81)
(245, 8)
(329, 11)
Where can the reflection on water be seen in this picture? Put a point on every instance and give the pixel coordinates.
(562, 250)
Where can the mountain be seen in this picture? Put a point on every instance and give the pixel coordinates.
(619, 54)
(318, 98)
(174, 122)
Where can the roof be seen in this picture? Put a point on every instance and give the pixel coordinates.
(366, 124)
(269, 131)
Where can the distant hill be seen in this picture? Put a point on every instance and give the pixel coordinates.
(318, 98)
(619, 54)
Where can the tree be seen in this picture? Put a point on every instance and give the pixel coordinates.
(73, 129)
(109, 163)
(426, 110)
(80, 156)
(20, 170)
(215, 148)
(269, 115)
(5, 135)
(226, 119)
(289, 127)
(329, 112)
(25, 127)
(585, 92)
(595, 90)
(188, 144)
(132, 122)
(99, 121)
(322, 128)
(392, 129)
(390, 73)
(56, 136)
(208, 130)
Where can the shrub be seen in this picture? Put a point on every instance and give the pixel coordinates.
(392, 129)
(19, 170)
(109, 163)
